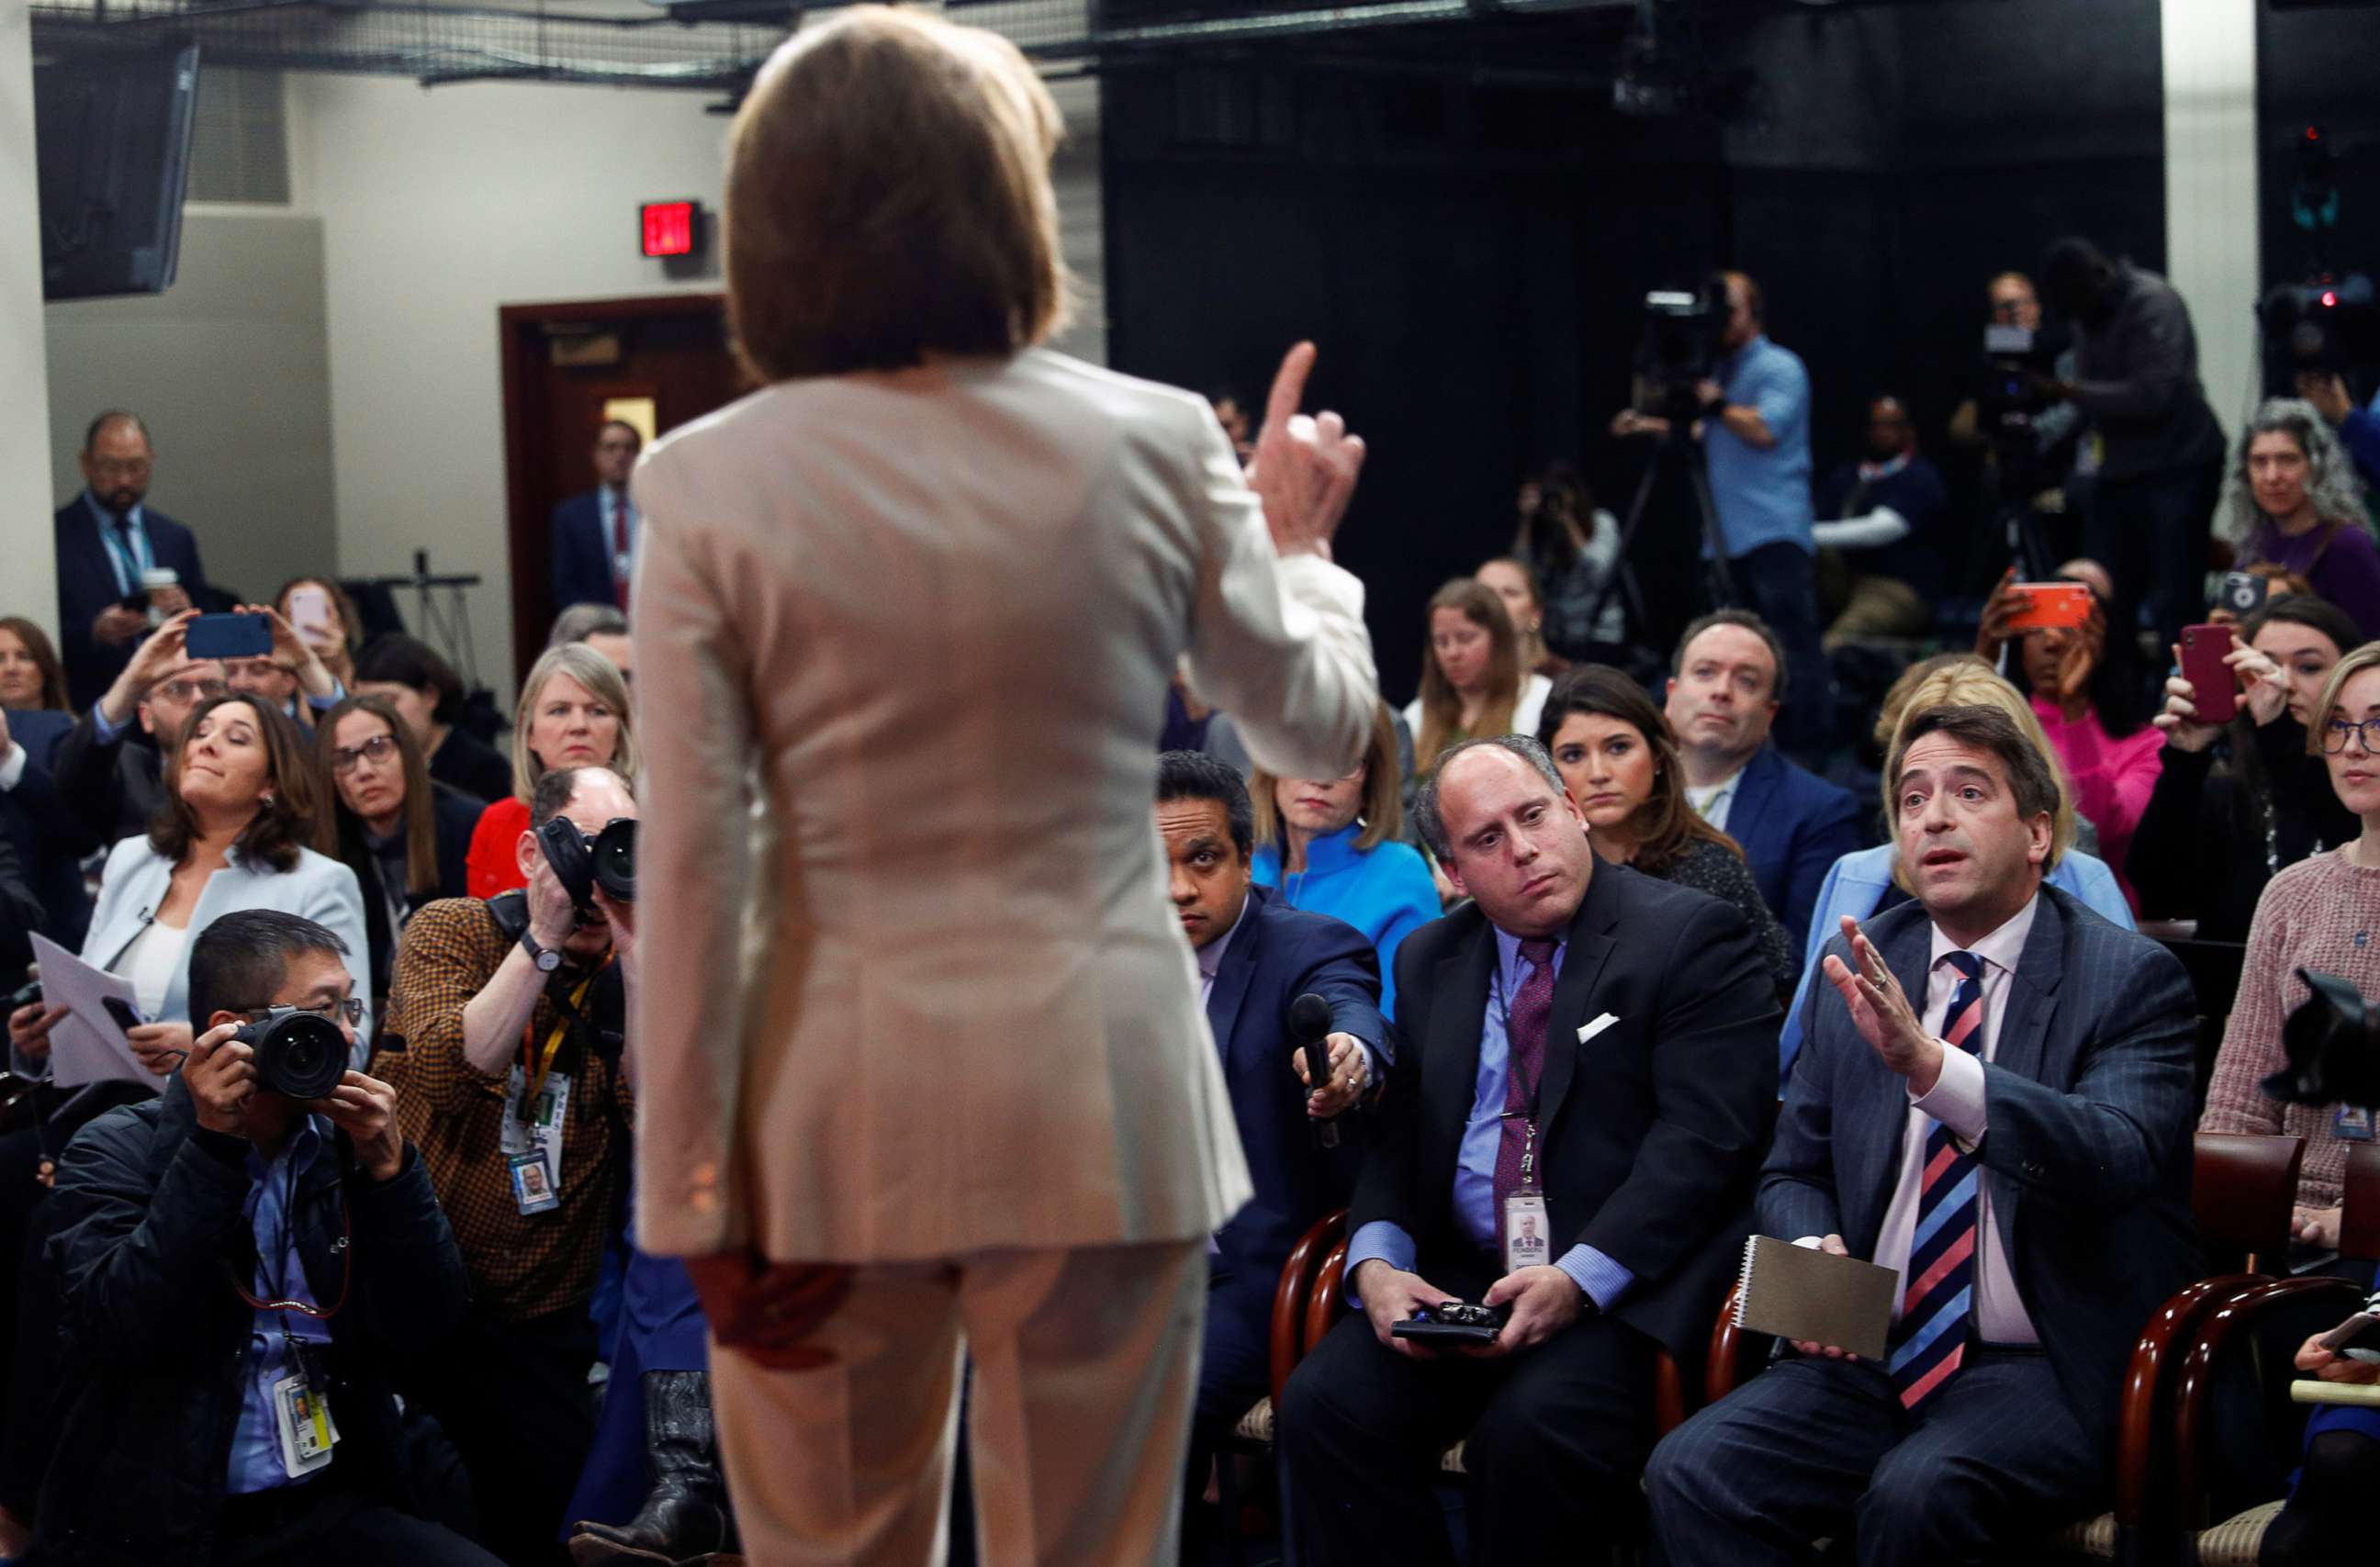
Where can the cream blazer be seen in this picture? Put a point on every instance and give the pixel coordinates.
(911, 984)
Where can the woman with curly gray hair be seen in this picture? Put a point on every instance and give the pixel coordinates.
(2292, 501)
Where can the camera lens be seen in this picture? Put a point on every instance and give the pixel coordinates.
(300, 1055)
(616, 859)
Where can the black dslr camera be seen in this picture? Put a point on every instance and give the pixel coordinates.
(2333, 1045)
(583, 862)
(299, 1055)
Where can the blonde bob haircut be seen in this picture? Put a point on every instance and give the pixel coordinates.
(2326, 708)
(889, 198)
(601, 678)
(1380, 809)
(1965, 681)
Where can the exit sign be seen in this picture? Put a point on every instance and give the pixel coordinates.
(669, 228)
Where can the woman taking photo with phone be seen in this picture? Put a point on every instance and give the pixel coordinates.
(2236, 802)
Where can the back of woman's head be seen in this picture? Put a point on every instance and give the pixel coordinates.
(889, 197)
(1971, 683)
(396, 659)
(602, 679)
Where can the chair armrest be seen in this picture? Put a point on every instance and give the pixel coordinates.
(2193, 1385)
(1329, 1284)
(2143, 1406)
(1723, 1366)
(1287, 1345)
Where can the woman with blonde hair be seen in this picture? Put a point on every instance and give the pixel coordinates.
(1472, 683)
(1330, 845)
(923, 1063)
(1860, 883)
(573, 712)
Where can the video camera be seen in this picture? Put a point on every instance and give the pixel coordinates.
(1678, 349)
(2009, 401)
(2329, 325)
(2332, 1041)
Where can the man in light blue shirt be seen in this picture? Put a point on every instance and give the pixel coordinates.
(1754, 431)
(1579, 1097)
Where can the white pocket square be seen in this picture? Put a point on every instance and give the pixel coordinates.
(1589, 1031)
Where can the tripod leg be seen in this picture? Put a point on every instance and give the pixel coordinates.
(1622, 575)
(1722, 580)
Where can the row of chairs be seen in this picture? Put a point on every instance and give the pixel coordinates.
(2243, 1190)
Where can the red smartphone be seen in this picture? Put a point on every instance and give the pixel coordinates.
(2048, 604)
(2216, 690)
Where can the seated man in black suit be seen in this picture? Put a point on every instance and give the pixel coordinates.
(595, 534)
(1995, 1101)
(106, 539)
(1583, 1049)
(110, 772)
(1256, 956)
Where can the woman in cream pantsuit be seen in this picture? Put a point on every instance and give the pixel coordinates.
(922, 1065)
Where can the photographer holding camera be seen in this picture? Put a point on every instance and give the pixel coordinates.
(512, 1016)
(1755, 428)
(242, 1259)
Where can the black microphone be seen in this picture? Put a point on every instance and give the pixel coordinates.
(1309, 1025)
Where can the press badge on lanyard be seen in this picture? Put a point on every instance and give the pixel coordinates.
(303, 1417)
(532, 1141)
(1529, 1239)
(2351, 1124)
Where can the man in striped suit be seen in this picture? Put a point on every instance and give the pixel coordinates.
(1995, 1101)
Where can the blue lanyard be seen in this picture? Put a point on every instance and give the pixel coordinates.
(128, 567)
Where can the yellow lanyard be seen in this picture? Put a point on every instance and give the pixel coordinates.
(533, 1066)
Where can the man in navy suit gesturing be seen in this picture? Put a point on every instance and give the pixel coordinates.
(1256, 956)
(107, 538)
(1995, 1101)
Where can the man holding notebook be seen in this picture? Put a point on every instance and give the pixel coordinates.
(1995, 1102)
(1570, 1134)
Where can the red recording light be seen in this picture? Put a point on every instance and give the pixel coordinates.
(2329, 299)
(668, 227)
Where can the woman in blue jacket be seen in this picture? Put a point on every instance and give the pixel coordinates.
(1331, 845)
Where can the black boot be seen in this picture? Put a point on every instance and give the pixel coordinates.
(685, 1520)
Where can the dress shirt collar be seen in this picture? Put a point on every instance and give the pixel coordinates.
(2001, 948)
(107, 518)
(1210, 957)
(1508, 957)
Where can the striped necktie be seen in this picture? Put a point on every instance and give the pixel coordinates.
(1930, 1340)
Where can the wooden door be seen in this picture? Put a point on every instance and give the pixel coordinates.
(658, 362)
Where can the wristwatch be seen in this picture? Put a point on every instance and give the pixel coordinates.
(546, 958)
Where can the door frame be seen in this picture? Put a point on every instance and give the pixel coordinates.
(521, 339)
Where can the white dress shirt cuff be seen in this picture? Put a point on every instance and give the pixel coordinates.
(12, 771)
(1957, 1100)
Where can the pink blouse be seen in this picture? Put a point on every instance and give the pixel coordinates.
(2112, 779)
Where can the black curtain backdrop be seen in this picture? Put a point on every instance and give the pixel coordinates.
(1467, 227)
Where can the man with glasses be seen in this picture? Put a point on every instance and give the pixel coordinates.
(111, 773)
(110, 546)
(513, 1012)
(292, 669)
(239, 1272)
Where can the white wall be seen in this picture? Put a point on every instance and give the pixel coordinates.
(229, 369)
(25, 504)
(2210, 189)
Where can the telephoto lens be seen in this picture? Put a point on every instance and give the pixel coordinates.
(299, 1055)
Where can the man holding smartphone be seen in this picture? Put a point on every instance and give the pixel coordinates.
(114, 557)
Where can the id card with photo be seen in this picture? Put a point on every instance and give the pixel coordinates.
(533, 1183)
(2351, 1124)
(1528, 1233)
(308, 1433)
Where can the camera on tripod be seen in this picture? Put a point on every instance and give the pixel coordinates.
(2332, 1042)
(1678, 349)
(2327, 326)
(2011, 397)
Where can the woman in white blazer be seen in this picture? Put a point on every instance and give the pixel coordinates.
(930, 1016)
(238, 806)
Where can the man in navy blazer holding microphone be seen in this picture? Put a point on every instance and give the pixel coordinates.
(1256, 956)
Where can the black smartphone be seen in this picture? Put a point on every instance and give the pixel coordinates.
(122, 1012)
(229, 637)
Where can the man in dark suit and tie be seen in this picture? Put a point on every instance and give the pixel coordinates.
(106, 539)
(1995, 1101)
(1256, 956)
(595, 534)
(1584, 1047)
(1724, 686)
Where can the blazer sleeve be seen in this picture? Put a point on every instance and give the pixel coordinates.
(1713, 1058)
(332, 899)
(1827, 833)
(1277, 643)
(1797, 1185)
(2106, 1144)
(699, 741)
(1345, 970)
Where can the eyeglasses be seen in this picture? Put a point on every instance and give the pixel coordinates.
(379, 747)
(351, 1008)
(189, 689)
(130, 467)
(2335, 734)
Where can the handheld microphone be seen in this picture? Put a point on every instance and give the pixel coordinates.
(1309, 1025)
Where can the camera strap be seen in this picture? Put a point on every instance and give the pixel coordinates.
(535, 1064)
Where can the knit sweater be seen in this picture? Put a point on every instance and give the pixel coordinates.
(2318, 914)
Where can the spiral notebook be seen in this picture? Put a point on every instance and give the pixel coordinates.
(1801, 1292)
